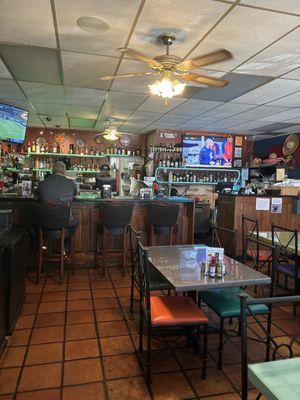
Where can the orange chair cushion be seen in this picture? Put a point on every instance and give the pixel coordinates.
(175, 310)
(264, 255)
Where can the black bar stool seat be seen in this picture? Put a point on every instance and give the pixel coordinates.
(51, 222)
(114, 221)
(162, 220)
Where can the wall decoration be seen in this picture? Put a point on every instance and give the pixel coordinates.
(276, 205)
(169, 134)
(238, 141)
(80, 143)
(237, 163)
(125, 140)
(238, 152)
(59, 138)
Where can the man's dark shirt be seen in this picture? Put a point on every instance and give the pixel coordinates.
(57, 189)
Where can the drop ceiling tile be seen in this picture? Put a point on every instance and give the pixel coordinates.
(172, 119)
(228, 109)
(84, 96)
(284, 116)
(195, 107)
(84, 70)
(256, 112)
(34, 64)
(119, 16)
(274, 127)
(238, 85)
(142, 117)
(34, 120)
(27, 22)
(293, 100)
(4, 74)
(291, 129)
(270, 91)
(124, 100)
(294, 120)
(50, 109)
(43, 92)
(78, 111)
(156, 104)
(245, 31)
(283, 56)
(108, 111)
(158, 17)
(82, 123)
(62, 122)
(9, 90)
(290, 6)
(293, 74)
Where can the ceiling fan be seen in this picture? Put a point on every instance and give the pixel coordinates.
(175, 72)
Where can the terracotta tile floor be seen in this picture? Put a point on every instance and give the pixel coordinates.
(79, 341)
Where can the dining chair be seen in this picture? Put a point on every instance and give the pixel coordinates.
(257, 252)
(168, 315)
(156, 280)
(226, 304)
(288, 258)
(262, 374)
(224, 237)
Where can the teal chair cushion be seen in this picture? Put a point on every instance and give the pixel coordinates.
(226, 302)
(157, 281)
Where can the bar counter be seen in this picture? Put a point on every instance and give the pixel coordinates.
(86, 208)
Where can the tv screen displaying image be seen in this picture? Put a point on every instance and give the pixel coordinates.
(207, 151)
(13, 123)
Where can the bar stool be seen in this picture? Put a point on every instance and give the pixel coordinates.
(49, 222)
(162, 219)
(114, 221)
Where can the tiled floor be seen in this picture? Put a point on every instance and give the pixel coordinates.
(79, 341)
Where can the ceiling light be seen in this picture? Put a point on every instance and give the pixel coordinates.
(93, 24)
(110, 134)
(167, 87)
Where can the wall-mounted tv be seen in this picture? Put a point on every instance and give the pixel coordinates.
(13, 123)
(207, 151)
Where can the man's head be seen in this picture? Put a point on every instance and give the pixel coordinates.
(59, 168)
(209, 142)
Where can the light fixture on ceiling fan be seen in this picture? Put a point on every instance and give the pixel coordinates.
(175, 72)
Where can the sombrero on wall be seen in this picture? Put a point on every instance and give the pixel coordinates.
(290, 145)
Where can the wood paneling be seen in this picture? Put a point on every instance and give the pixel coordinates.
(231, 209)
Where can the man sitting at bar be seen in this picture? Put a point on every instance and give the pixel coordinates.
(57, 189)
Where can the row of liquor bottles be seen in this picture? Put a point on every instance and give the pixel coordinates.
(85, 150)
(170, 162)
(47, 163)
(201, 177)
(168, 148)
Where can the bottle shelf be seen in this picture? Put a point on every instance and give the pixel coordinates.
(82, 155)
(68, 170)
(165, 170)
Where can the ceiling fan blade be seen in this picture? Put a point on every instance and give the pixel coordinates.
(206, 80)
(206, 59)
(121, 76)
(141, 57)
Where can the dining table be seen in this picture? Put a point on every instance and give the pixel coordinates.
(277, 380)
(180, 265)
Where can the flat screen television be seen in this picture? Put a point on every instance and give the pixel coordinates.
(207, 151)
(13, 123)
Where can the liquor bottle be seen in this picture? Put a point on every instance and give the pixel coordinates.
(37, 164)
(168, 161)
(212, 267)
(54, 148)
(58, 148)
(42, 150)
(46, 148)
(37, 148)
(86, 150)
(28, 148)
(92, 151)
(171, 162)
(33, 148)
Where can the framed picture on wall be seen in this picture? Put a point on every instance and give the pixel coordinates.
(237, 163)
(238, 152)
(238, 141)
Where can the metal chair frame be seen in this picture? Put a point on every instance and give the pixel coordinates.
(250, 228)
(269, 340)
(145, 316)
(231, 240)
